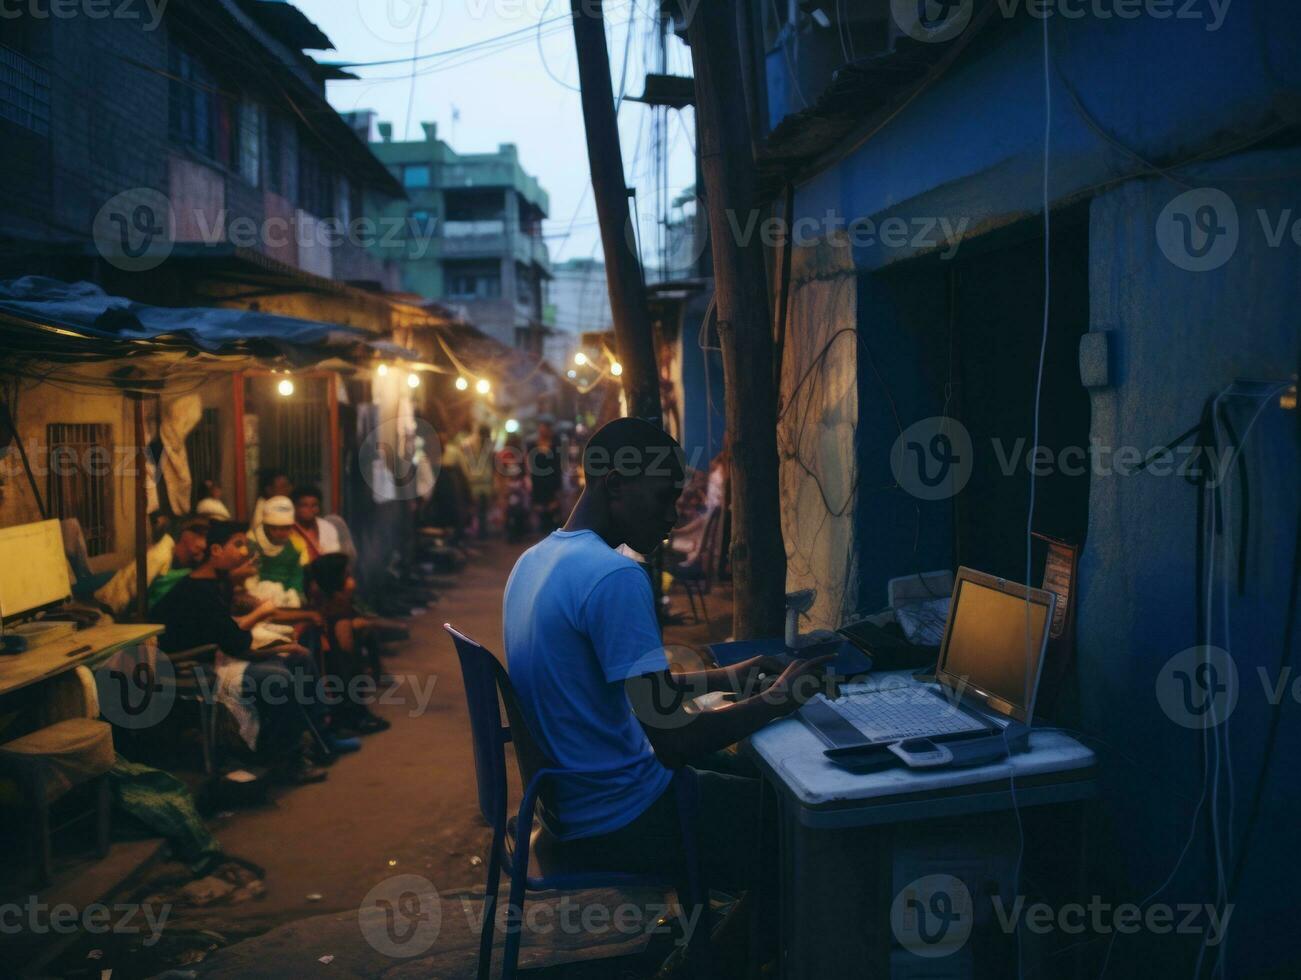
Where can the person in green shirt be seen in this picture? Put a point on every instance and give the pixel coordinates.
(277, 557)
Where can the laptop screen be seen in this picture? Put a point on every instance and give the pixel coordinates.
(993, 646)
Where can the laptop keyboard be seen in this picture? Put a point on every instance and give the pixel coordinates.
(903, 713)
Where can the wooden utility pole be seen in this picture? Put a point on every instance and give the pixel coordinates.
(141, 509)
(623, 276)
(744, 327)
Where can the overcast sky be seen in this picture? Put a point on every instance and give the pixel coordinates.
(520, 90)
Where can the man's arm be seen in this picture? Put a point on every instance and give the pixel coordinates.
(744, 677)
(680, 732)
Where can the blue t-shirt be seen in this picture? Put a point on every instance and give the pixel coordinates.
(579, 620)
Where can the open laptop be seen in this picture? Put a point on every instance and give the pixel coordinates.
(987, 674)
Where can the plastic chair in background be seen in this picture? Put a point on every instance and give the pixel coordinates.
(696, 576)
(485, 681)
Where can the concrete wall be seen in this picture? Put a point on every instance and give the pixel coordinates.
(46, 404)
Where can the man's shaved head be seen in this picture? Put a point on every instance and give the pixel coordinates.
(633, 447)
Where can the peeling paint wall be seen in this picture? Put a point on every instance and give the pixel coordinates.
(816, 429)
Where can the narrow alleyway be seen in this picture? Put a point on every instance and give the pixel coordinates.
(404, 805)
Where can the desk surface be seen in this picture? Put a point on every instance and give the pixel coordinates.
(38, 664)
(1055, 769)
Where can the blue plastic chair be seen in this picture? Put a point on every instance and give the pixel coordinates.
(486, 680)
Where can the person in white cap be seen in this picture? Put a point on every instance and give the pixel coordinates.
(211, 505)
(278, 558)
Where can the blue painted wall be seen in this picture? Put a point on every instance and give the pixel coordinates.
(971, 147)
(703, 395)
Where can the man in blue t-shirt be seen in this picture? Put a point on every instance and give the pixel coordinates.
(585, 656)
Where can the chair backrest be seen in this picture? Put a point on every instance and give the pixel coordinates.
(486, 681)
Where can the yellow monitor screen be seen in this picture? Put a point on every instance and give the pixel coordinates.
(33, 569)
(996, 641)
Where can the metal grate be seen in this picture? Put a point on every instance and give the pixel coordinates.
(203, 448)
(24, 92)
(294, 432)
(80, 480)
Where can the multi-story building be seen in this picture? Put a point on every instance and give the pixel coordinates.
(186, 157)
(474, 231)
(579, 302)
(209, 116)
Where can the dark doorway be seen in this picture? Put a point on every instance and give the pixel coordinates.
(998, 309)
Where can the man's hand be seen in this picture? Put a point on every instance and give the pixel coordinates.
(799, 682)
(679, 734)
(760, 671)
(244, 571)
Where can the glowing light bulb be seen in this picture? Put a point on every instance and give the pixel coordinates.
(462, 384)
(285, 387)
(413, 380)
(382, 370)
(482, 386)
(580, 358)
(616, 368)
(571, 373)
(512, 426)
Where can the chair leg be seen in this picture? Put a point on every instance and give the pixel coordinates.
(204, 741)
(103, 817)
(709, 626)
(490, 890)
(515, 910)
(40, 844)
(691, 598)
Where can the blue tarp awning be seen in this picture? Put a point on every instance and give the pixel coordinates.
(87, 310)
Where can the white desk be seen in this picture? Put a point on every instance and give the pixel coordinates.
(843, 837)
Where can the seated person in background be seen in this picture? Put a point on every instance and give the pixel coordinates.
(197, 611)
(585, 655)
(330, 591)
(212, 505)
(311, 536)
(271, 482)
(175, 551)
(278, 558)
(187, 553)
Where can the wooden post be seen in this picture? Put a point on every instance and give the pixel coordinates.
(237, 417)
(336, 450)
(744, 327)
(623, 276)
(142, 508)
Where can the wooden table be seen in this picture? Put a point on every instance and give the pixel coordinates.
(51, 659)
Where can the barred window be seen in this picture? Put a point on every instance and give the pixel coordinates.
(80, 480)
